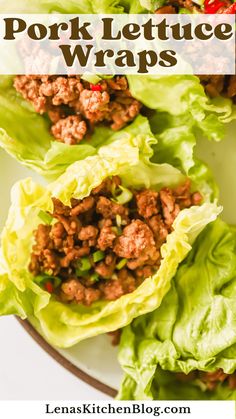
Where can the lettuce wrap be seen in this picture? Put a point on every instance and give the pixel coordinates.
(25, 135)
(194, 329)
(64, 324)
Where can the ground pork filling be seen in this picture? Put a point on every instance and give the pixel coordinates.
(75, 106)
(105, 245)
(209, 380)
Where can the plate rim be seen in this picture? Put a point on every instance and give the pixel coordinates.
(65, 363)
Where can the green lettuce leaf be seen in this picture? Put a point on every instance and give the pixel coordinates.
(182, 97)
(141, 6)
(133, 7)
(176, 142)
(195, 326)
(60, 6)
(25, 135)
(64, 325)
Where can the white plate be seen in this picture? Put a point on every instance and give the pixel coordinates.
(96, 356)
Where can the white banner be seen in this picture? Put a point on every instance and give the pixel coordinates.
(117, 409)
(117, 44)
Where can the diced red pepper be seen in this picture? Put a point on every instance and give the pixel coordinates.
(212, 6)
(48, 287)
(231, 10)
(95, 87)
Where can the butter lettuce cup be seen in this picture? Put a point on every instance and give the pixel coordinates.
(98, 247)
(186, 349)
(49, 122)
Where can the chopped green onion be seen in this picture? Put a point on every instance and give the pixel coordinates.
(94, 277)
(83, 267)
(80, 273)
(91, 78)
(49, 272)
(184, 11)
(84, 264)
(56, 282)
(125, 196)
(103, 76)
(45, 217)
(118, 220)
(200, 384)
(40, 279)
(121, 264)
(99, 255)
(113, 189)
(117, 230)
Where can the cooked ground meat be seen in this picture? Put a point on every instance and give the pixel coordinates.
(210, 379)
(100, 249)
(74, 106)
(214, 85)
(137, 244)
(107, 236)
(147, 203)
(109, 209)
(70, 130)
